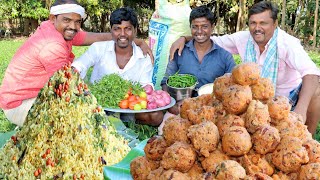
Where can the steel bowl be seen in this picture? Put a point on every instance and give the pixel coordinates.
(181, 93)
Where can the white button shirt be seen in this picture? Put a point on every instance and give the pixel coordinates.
(101, 55)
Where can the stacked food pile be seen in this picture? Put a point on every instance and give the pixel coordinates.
(113, 91)
(66, 135)
(241, 131)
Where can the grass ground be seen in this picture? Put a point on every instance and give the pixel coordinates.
(9, 47)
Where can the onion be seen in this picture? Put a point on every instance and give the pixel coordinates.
(148, 88)
(167, 99)
(159, 92)
(150, 98)
(151, 105)
(158, 96)
(160, 102)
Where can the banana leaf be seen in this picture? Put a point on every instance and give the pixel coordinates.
(122, 169)
(4, 137)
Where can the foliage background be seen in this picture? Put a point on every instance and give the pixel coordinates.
(296, 16)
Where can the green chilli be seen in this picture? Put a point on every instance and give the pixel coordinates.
(181, 80)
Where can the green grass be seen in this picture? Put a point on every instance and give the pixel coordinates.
(9, 47)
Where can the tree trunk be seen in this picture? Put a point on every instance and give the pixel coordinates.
(103, 22)
(238, 27)
(283, 17)
(300, 9)
(218, 17)
(243, 17)
(315, 24)
(34, 25)
(26, 27)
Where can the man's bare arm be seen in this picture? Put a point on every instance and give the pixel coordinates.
(309, 86)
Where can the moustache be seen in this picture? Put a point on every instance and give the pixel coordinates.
(69, 29)
(258, 32)
(123, 37)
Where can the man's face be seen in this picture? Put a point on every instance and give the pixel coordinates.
(261, 27)
(123, 34)
(201, 29)
(67, 24)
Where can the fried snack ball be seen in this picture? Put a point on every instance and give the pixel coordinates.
(236, 99)
(173, 175)
(188, 103)
(289, 155)
(258, 176)
(219, 110)
(196, 171)
(155, 148)
(210, 163)
(310, 171)
(204, 137)
(205, 99)
(265, 139)
(257, 115)
(293, 129)
(155, 174)
(140, 168)
(263, 90)
(208, 176)
(225, 122)
(175, 129)
(221, 84)
(256, 163)
(204, 113)
(246, 73)
(279, 107)
(313, 148)
(230, 170)
(236, 141)
(179, 156)
(295, 117)
(282, 176)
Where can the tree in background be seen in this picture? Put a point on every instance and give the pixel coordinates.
(28, 13)
(297, 17)
(315, 25)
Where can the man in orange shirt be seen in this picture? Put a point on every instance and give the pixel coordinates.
(45, 52)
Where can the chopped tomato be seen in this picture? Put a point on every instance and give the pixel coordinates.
(124, 104)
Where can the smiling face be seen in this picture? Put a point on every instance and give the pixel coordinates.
(261, 27)
(67, 24)
(201, 29)
(123, 34)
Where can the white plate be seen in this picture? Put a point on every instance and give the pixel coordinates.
(205, 89)
(172, 103)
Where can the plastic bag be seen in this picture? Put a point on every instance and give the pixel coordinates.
(168, 23)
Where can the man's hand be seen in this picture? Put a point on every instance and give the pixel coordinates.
(145, 48)
(309, 86)
(302, 112)
(178, 45)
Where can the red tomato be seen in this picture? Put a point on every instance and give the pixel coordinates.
(129, 92)
(132, 98)
(140, 99)
(124, 104)
(48, 151)
(36, 173)
(131, 104)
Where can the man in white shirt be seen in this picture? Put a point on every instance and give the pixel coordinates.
(121, 56)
